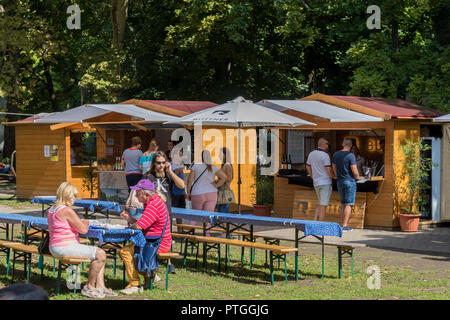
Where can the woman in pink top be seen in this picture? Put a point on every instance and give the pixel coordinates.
(151, 223)
(64, 228)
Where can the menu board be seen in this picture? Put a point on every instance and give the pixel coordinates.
(296, 146)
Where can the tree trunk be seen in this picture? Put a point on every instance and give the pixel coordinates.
(119, 14)
(394, 35)
(50, 88)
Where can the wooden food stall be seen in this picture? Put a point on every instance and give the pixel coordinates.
(369, 121)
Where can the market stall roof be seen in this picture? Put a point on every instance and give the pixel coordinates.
(444, 118)
(319, 109)
(78, 114)
(89, 111)
(134, 111)
(378, 107)
(172, 107)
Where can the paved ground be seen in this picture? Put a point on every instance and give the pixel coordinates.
(432, 240)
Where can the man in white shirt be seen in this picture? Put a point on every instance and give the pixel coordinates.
(319, 169)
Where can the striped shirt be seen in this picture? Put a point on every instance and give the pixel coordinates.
(153, 220)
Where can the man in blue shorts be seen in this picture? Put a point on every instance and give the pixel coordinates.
(346, 172)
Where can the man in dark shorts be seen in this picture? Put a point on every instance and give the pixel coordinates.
(346, 172)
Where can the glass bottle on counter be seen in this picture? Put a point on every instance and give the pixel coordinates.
(289, 163)
(283, 162)
(117, 166)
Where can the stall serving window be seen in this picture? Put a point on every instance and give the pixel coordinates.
(299, 143)
(83, 148)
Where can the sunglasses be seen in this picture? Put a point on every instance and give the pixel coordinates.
(160, 162)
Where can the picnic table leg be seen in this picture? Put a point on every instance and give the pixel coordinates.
(167, 275)
(296, 254)
(352, 263)
(196, 255)
(29, 267)
(185, 252)
(14, 266)
(204, 247)
(25, 264)
(227, 247)
(323, 257)
(339, 262)
(218, 258)
(252, 257)
(285, 268)
(42, 265)
(8, 252)
(271, 267)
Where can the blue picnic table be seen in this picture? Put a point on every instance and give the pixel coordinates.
(92, 205)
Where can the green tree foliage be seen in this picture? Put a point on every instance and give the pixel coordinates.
(218, 49)
(408, 58)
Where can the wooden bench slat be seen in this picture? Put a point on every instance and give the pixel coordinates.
(248, 244)
(169, 255)
(189, 226)
(35, 250)
(327, 243)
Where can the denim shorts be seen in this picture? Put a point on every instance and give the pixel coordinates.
(347, 192)
(323, 194)
(74, 250)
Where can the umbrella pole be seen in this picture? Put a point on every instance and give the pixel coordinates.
(239, 169)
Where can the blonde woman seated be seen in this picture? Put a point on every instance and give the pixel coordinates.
(64, 227)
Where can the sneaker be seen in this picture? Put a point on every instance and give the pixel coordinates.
(132, 290)
(345, 229)
(172, 269)
(156, 278)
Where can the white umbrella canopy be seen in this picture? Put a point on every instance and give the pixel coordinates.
(444, 118)
(240, 113)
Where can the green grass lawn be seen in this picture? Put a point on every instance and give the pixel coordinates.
(243, 282)
(19, 204)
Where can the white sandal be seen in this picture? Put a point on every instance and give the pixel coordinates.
(108, 292)
(89, 293)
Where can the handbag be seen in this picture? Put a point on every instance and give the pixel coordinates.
(225, 195)
(146, 257)
(197, 180)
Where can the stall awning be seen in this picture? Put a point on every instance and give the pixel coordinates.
(444, 118)
(134, 111)
(89, 111)
(75, 115)
(319, 109)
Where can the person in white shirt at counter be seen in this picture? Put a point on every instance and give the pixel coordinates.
(318, 167)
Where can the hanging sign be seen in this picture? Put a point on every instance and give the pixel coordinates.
(54, 153)
(47, 151)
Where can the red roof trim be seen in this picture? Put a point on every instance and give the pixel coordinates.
(395, 107)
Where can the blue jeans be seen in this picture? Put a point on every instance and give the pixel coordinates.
(224, 208)
(347, 192)
(5, 169)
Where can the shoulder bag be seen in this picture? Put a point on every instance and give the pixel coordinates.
(146, 257)
(225, 195)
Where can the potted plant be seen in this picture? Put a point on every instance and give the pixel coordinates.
(410, 184)
(264, 194)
